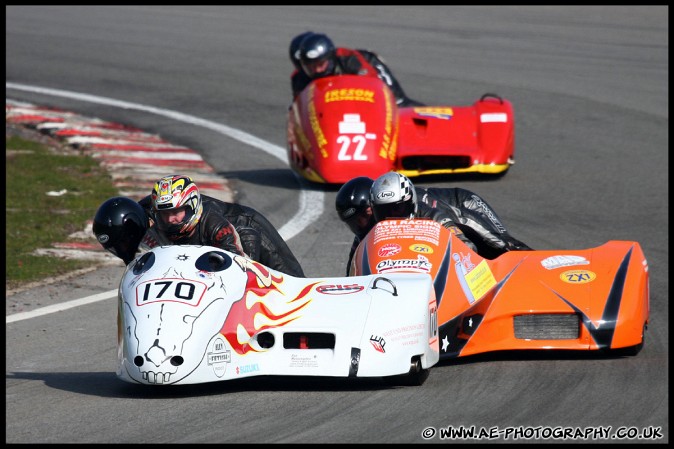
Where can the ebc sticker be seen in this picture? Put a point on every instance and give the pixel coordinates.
(378, 343)
(339, 289)
(578, 276)
(389, 249)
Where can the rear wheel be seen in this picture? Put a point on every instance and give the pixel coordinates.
(416, 376)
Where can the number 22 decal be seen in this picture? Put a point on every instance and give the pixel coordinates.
(346, 142)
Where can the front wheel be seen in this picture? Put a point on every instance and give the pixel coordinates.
(633, 350)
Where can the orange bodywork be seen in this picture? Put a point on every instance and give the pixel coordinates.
(589, 299)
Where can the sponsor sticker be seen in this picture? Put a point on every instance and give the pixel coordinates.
(247, 369)
(303, 361)
(389, 250)
(441, 113)
(218, 357)
(421, 248)
(378, 343)
(432, 322)
(419, 230)
(578, 276)
(408, 335)
(480, 280)
(475, 280)
(365, 95)
(420, 264)
(339, 289)
(494, 117)
(321, 141)
(553, 262)
(386, 194)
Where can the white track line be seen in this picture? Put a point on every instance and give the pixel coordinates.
(60, 307)
(310, 201)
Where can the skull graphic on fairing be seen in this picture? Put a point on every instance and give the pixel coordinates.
(176, 347)
(170, 310)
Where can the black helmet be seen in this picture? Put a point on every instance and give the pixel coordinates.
(294, 49)
(317, 55)
(393, 196)
(353, 205)
(119, 225)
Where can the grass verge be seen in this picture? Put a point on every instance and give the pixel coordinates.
(50, 194)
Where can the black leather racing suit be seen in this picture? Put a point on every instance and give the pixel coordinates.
(261, 240)
(358, 62)
(470, 213)
(257, 237)
(475, 217)
(445, 219)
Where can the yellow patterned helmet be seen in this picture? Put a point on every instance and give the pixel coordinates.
(171, 196)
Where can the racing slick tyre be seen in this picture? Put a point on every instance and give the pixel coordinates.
(629, 351)
(632, 350)
(414, 378)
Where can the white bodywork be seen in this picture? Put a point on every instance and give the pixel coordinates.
(184, 320)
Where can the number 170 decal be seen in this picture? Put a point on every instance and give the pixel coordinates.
(173, 290)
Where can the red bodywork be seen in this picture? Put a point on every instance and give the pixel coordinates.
(345, 126)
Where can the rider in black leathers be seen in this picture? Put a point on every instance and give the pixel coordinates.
(258, 238)
(316, 49)
(298, 79)
(119, 226)
(467, 210)
(475, 217)
(234, 227)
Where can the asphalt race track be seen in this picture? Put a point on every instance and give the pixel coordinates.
(590, 90)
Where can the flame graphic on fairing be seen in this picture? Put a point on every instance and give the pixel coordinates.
(263, 306)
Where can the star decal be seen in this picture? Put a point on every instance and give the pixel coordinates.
(445, 343)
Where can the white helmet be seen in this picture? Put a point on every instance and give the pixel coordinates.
(393, 196)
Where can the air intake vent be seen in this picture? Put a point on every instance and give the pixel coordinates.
(425, 163)
(547, 327)
(308, 340)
